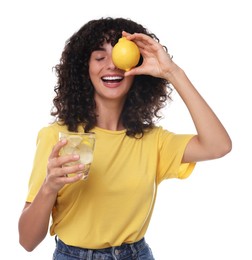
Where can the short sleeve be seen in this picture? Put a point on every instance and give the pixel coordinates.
(172, 147)
(46, 139)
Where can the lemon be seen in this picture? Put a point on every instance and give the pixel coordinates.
(125, 54)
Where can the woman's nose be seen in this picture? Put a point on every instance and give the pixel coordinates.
(111, 64)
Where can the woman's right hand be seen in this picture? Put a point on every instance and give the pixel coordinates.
(34, 220)
(57, 175)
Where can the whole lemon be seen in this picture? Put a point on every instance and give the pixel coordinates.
(125, 54)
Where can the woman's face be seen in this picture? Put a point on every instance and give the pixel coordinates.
(109, 82)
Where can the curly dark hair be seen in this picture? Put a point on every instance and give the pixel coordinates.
(74, 102)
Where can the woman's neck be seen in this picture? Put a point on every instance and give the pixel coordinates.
(109, 115)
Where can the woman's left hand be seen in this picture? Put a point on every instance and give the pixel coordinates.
(156, 61)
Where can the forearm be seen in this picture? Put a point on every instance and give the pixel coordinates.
(34, 220)
(211, 134)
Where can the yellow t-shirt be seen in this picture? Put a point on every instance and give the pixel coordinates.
(114, 205)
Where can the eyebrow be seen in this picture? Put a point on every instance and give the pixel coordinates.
(100, 49)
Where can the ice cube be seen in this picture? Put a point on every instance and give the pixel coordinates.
(86, 154)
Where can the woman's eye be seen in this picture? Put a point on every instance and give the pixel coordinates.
(100, 58)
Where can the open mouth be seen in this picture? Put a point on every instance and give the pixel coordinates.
(112, 79)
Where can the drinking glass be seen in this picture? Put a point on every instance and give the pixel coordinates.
(81, 144)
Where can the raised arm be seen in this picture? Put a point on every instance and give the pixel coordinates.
(212, 140)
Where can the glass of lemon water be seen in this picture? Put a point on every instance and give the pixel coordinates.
(82, 144)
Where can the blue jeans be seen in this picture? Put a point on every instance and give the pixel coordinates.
(137, 251)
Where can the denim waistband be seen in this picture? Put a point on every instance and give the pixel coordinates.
(116, 252)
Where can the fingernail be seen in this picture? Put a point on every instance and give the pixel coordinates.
(63, 141)
(81, 166)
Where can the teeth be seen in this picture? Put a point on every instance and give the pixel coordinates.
(112, 78)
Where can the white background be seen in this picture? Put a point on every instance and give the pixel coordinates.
(207, 216)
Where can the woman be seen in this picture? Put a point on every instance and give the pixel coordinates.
(106, 216)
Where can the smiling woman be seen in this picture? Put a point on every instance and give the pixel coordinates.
(87, 55)
(132, 155)
(109, 82)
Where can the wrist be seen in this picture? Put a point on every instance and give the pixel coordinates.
(48, 192)
(174, 74)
